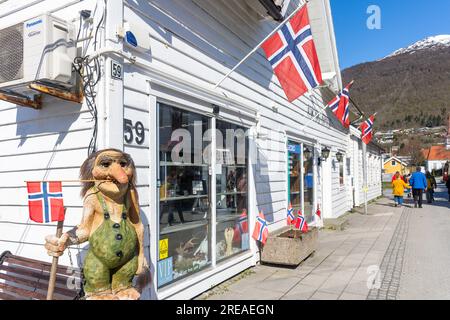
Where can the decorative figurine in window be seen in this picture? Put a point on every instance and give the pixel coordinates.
(112, 224)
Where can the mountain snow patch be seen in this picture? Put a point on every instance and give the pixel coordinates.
(434, 42)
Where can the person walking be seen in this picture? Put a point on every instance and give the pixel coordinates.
(447, 184)
(398, 189)
(418, 183)
(431, 185)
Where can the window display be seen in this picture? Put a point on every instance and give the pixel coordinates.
(231, 189)
(185, 192)
(294, 174)
(184, 214)
(308, 179)
(301, 178)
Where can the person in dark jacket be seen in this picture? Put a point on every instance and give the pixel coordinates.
(447, 184)
(418, 183)
(431, 185)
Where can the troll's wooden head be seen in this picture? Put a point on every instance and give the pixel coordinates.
(114, 170)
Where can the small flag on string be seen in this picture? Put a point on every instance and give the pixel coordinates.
(292, 53)
(367, 129)
(290, 215)
(45, 201)
(318, 210)
(261, 231)
(241, 226)
(300, 223)
(340, 106)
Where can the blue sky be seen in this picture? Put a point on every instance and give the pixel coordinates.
(403, 22)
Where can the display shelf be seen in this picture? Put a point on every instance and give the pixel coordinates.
(184, 197)
(183, 226)
(181, 164)
(230, 193)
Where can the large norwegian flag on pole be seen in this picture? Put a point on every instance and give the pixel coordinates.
(45, 201)
(367, 129)
(340, 106)
(292, 53)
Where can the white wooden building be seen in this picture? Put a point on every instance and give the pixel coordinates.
(183, 48)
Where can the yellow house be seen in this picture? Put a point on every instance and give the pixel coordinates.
(393, 164)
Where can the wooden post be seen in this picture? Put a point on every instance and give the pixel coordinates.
(52, 280)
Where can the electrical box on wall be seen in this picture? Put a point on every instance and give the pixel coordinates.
(40, 49)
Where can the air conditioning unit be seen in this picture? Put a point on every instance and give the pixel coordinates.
(40, 49)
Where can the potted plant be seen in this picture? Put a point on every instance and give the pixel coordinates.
(289, 246)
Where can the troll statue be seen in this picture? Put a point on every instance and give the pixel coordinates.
(112, 225)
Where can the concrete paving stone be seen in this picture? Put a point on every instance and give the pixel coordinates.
(249, 293)
(314, 280)
(357, 287)
(351, 296)
(299, 292)
(278, 283)
(319, 295)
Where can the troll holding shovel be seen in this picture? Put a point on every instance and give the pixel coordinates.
(112, 225)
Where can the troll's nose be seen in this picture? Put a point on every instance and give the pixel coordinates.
(119, 174)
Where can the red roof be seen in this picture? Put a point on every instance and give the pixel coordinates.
(436, 153)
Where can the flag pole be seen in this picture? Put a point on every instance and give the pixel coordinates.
(318, 113)
(52, 279)
(257, 47)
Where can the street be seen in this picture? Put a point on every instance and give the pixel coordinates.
(389, 254)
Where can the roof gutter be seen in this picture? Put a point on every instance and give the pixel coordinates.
(272, 9)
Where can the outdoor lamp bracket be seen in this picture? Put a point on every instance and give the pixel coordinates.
(324, 155)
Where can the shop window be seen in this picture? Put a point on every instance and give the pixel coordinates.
(308, 182)
(301, 178)
(232, 230)
(294, 176)
(184, 203)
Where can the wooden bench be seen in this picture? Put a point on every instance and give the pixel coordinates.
(27, 279)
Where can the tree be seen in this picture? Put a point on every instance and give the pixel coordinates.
(413, 149)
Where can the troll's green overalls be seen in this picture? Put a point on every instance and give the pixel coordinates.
(112, 258)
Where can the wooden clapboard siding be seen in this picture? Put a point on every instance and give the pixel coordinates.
(50, 143)
(199, 41)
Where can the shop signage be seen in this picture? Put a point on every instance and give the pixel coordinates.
(163, 249)
(165, 271)
(294, 148)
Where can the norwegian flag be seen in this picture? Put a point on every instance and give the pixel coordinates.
(367, 129)
(261, 231)
(340, 106)
(241, 226)
(318, 211)
(45, 201)
(300, 223)
(292, 53)
(290, 215)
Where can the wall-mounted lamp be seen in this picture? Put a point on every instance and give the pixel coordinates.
(339, 156)
(324, 155)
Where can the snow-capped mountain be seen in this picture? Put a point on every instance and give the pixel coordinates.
(434, 42)
(409, 88)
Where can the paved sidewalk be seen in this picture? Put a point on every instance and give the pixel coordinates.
(341, 267)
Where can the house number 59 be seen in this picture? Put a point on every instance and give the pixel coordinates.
(130, 131)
